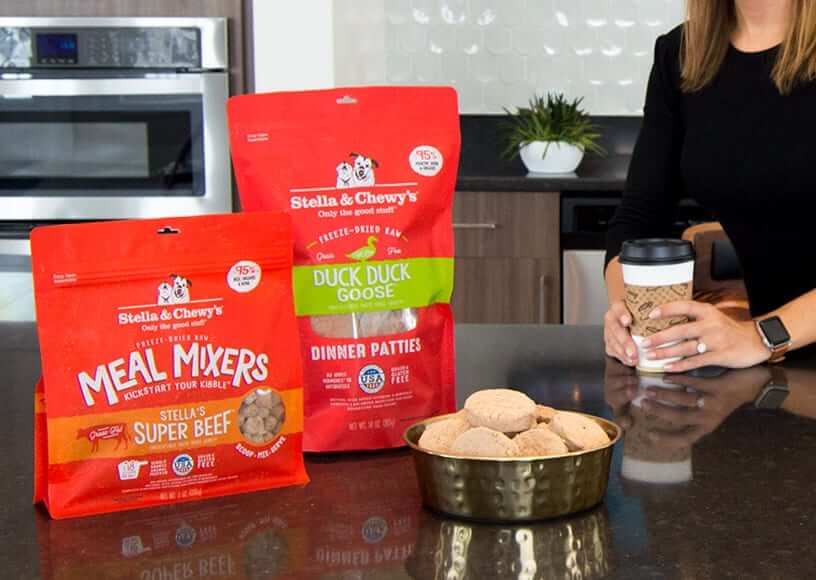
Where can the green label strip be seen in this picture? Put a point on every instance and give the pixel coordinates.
(372, 286)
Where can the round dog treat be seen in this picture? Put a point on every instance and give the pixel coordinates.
(503, 410)
(261, 416)
(540, 441)
(385, 322)
(544, 414)
(577, 431)
(484, 442)
(334, 325)
(439, 436)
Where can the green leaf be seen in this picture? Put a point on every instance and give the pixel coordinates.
(550, 118)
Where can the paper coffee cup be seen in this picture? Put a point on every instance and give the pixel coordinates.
(655, 271)
(645, 460)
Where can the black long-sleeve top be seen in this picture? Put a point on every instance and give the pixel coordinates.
(743, 151)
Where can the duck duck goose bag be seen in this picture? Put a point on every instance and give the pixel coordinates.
(367, 175)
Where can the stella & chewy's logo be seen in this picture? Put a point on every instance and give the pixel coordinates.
(182, 464)
(173, 303)
(371, 379)
(355, 172)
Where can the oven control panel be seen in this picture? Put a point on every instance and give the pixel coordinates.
(121, 47)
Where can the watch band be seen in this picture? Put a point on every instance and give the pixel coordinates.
(778, 351)
(779, 376)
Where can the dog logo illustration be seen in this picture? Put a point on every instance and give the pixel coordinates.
(165, 293)
(176, 291)
(345, 175)
(363, 169)
(97, 433)
(181, 289)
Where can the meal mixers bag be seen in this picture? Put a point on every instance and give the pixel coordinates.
(171, 364)
(367, 175)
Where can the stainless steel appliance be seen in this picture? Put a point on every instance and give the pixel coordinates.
(584, 220)
(108, 118)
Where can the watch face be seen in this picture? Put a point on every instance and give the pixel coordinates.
(774, 331)
(772, 397)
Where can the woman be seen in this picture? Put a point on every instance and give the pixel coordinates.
(730, 120)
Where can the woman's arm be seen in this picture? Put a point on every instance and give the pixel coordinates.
(614, 281)
(653, 184)
(652, 188)
(799, 317)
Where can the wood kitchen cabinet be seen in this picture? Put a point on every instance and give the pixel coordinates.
(507, 257)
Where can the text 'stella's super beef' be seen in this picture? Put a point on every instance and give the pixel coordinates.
(171, 364)
(367, 175)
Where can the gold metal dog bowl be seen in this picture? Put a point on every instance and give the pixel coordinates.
(569, 548)
(512, 489)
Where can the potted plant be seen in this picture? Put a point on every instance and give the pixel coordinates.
(551, 134)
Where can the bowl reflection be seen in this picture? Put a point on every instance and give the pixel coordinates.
(572, 548)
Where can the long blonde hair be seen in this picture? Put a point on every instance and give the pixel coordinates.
(707, 37)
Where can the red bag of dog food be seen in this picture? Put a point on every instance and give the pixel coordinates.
(367, 175)
(171, 364)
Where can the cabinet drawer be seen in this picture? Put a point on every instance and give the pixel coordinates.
(506, 290)
(504, 224)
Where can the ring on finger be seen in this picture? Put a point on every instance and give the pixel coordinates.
(702, 347)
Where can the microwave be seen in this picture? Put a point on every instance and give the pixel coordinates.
(109, 118)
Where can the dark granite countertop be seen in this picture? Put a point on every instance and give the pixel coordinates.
(594, 174)
(741, 506)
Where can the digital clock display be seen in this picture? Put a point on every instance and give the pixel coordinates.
(57, 48)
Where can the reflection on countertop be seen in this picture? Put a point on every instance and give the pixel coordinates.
(574, 547)
(341, 526)
(742, 509)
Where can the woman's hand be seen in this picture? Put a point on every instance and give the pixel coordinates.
(621, 385)
(703, 405)
(709, 338)
(618, 340)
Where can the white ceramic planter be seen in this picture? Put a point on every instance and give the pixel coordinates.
(560, 157)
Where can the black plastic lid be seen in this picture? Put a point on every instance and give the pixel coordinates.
(656, 251)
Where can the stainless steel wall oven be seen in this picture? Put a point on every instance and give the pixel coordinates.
(109, 118)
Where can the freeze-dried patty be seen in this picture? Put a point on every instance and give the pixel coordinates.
(544, 414)
(540, 441)
(365, 324)
(484, 442)
(439, 436)
(577, 431)
(503, 410)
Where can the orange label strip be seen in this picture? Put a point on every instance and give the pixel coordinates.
(163, 429)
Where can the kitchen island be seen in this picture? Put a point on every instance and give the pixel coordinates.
(742, 509)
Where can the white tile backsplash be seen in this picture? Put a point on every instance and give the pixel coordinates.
(497, 53)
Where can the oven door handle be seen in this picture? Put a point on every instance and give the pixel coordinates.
(15, 247)
(169, 84)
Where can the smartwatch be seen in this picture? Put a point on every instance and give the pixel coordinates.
(775, 392)
(775, 336)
